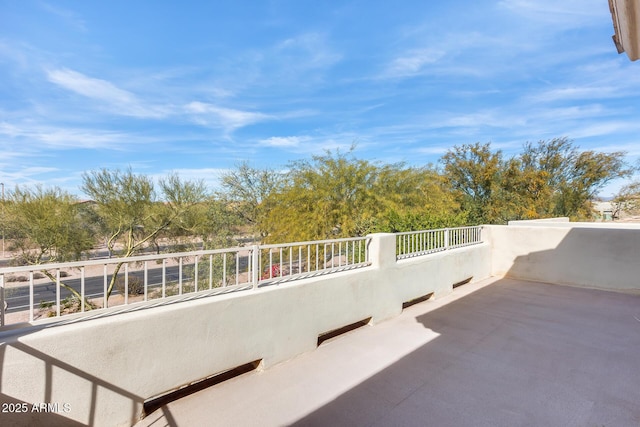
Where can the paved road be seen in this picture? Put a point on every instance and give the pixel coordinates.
(18, 298)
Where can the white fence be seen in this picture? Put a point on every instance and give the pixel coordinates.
(416, 243)
(56, 290)
(38, 292)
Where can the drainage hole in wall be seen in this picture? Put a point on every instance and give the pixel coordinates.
(324, 337)
(154, 403)
(462, 282)
(417, 300)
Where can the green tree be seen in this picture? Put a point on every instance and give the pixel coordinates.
(247, 192)
(417, 199)
(627, 200)
(570, 178)
(338, 195)
(132, 212)
(549, 178)
(475, 173)
(47, 227)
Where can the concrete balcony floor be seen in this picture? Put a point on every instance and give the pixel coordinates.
(500, 352)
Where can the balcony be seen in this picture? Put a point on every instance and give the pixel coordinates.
(468, 329)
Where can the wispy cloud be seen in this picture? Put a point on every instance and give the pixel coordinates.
(567, 12)
(227, 118)
(64, 138)
(284, 141)
(68, 16)
(310, 50)
(412, 62)
(577, 93)
(117, 100)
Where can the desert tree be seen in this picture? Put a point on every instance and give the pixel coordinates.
(47, 226)
(133, 213)
(246, 191)
(548, 178)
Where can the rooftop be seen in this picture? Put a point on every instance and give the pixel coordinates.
(499, 352)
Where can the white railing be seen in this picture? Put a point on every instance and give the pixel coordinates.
(163, 277)
(56, 290)
(303, 259)
(416, 243)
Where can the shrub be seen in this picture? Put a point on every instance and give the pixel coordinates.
(136, 285)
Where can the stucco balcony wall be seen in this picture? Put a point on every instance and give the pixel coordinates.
(102, 370)
(592, 255)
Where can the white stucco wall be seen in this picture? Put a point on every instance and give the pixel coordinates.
(104, 369)
(602, 256)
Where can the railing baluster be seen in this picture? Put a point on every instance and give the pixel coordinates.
(224, 270)
(82, 297)
(57, 292)
(164, 277)
(210, 271)
(237, 268)
(126, 284)
(180, 276)
(30, 296)
(2, 298)
(195, 274)
(146, 281)
(105, 302)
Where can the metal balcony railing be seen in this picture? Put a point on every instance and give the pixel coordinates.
(303, 259)
(55, 290)
(416, 243)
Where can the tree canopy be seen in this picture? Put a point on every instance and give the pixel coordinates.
(334, 194)
(548, 178)
(130, 210)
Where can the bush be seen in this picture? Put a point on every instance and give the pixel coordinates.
(136, 285)
(17, 278)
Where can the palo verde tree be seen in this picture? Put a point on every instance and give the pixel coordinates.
(338, 195)
(246, 191)
(474, 172)
(627, 200)
(46, 227)
(133, 213)
(324, 197)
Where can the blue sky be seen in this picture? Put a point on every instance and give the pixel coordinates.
(197, 86)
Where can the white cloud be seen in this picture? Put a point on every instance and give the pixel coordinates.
(230, 119)
(566, 12)
(63, 138)
(412, 63)
(284, 141)
(118, 100)
(605, 128)
(309, 49)
(578, 93)
(68, 16)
